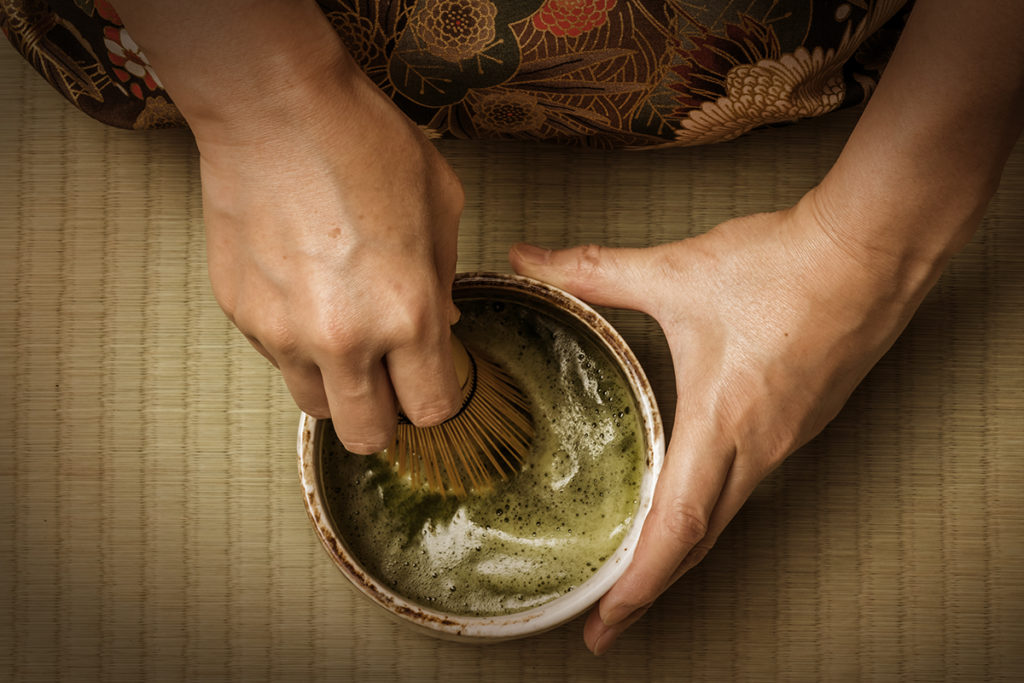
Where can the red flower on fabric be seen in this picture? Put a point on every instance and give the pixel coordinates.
(128, 61)
(107, 11)
(572, 17)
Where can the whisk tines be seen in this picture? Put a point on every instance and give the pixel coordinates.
(488, 438)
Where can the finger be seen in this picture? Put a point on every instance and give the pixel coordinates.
(446, 252)
(599, 636)
(362, 405)
(688, 490)
(424, 379)
(740, 483)
(262, 349)
(600, 275)
(454, 314)
(307, 388)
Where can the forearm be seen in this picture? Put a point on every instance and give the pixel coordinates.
(232, 63)
(926, 156)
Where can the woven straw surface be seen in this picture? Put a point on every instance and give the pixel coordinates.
(151, 523)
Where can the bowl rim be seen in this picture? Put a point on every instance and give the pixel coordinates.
(563, 608)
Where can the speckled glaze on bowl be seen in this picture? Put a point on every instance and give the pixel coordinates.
(564, 608)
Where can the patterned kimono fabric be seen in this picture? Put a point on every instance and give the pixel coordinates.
(602, 73)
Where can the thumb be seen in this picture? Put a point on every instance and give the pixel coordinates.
(599, 275)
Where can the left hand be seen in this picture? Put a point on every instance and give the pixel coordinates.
(772, 320)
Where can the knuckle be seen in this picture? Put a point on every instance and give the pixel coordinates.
(263, 351)
(225, 294)
(267, 328)
(644, 595)
(775, 457)
(684, 524)
(589, 259)
(314, 409)
(334, 338)
(692, 559)
(586, 267)
(434, 413)
(454, 192)
(229, 305)
(306, 389)
(695, 556)
(409, 322)
(279, 339)
(325, 344)
(417, 321)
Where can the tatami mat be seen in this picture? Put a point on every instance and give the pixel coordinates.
(151, 522)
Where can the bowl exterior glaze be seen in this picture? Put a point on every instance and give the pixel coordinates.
(569, 605)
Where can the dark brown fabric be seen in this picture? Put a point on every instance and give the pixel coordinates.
(595, 72)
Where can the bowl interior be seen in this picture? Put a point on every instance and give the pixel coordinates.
(584, 321)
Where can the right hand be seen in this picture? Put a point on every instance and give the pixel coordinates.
(331, 227)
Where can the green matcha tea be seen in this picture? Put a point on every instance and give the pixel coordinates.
(532, 537)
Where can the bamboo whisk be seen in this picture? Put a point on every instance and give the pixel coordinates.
(488, 437)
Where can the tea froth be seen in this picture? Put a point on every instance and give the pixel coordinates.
(533, 537)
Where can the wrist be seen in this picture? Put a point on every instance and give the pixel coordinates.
(898, 209)
(913, 181)
(237, 81)
(279, 99)
(899, 254)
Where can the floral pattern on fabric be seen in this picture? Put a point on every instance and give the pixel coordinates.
(625, 73)
(127, 60)
(572, 17)
(455, 30)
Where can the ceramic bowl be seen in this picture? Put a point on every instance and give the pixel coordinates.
(586, 322)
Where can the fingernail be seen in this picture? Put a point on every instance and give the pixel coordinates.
(604, 642)
(619, 614)
(533, 255)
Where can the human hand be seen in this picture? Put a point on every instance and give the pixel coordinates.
(331, 227)
(771, 320)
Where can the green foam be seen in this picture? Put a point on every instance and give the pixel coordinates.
(533, 537)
